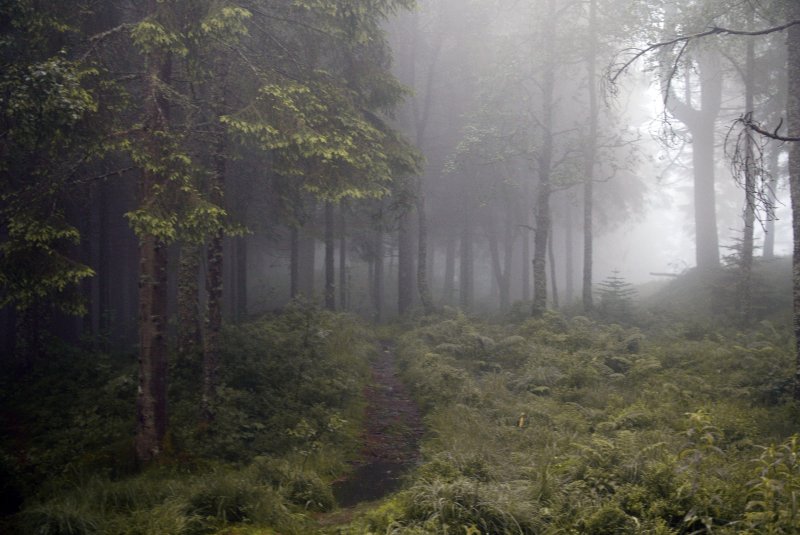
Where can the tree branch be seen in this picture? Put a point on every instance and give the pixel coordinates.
(714, 30)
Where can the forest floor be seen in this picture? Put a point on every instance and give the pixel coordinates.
(389, 440)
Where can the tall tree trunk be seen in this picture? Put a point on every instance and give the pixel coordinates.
(378, 282)
(508, 256)
(330, 271)
(213, 323)
(308, 250)
(745, 291)
(405, 264)
(768, 252)
(544, 160)
(215, 256)
(793, 118)
(569, 258)
(294, 262)
(590, 149)
(700, 123)
(241, 278)
(526, 245)
(189, 323)
(551, 259)
(497, 268)
(104, 266)
(465, 275)
(422, 254)
(343, 286)
(151, 400)
(449, 286)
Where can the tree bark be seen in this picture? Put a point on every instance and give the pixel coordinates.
(151, 400)
(544, 160)
(343, 286)
(189, 324)
(551, 259)
(294, 262)
(308, 250)
(590, 148)
(465, 275)
(405, 264)
(768, 252)
(241, 278)
(330, 271)
(422, 254)
(745, 297)
(215, 255)
(569, 258)
(213, 323)
(793, 118)
(378, 273)
(700, 123)
(526, 245)
(449, 271)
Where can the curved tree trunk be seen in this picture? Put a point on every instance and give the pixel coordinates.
(700, 123)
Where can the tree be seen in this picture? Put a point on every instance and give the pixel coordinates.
(791, 11)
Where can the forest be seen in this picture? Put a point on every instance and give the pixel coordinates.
(393, 267)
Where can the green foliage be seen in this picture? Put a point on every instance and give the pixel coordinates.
(585, 427)
(288, 419)
(616, 299)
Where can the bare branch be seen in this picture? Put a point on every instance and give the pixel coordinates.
(714, 30)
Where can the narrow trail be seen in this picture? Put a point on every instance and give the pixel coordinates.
(390, 439)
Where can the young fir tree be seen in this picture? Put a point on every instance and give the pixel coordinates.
(616, 298)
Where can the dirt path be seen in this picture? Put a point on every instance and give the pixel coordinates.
(390, 440)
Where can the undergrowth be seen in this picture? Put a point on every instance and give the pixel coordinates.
(288, 420)
(567, 425)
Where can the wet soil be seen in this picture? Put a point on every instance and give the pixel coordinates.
(390, 440)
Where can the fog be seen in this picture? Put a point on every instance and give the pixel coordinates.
(468, 154)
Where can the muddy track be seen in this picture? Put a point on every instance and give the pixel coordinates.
(390, 439)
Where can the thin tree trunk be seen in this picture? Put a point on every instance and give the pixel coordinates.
(449, 271)
(330, 271)
(422, 254)
(569, 252)
(508, 257)
(241, 278)
(497, 269)
(526, 246)
(308, 249)
(590, 147)
(104, 267)
(343, 286)
(544, 160)
(745, 302)
(405, 264)
(465, 276)
(294, 262)
(768, 253)
(151, 400)
(551, 258)
(378, 283)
